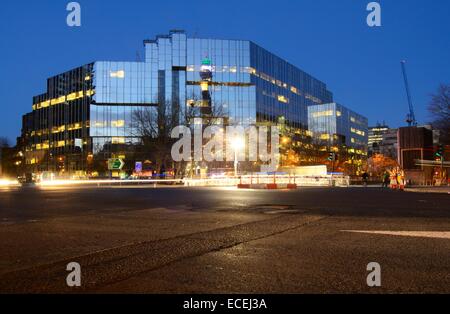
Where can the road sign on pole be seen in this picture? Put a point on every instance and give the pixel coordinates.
(138, 167)
(115, 164)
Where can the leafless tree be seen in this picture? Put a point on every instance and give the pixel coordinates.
(439, 109)
(155, 124)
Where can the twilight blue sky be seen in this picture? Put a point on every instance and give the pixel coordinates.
(327, 38)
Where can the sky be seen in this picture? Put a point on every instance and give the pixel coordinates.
(329, 39)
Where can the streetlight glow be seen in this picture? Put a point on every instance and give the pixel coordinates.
(238, 143)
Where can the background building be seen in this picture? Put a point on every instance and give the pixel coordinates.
(382, 140)
(414, 144)
(341, 131)
(389, 144)
(339, 126)
(375, 138)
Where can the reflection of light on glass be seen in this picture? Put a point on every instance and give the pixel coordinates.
(118, 123)
(117, 74)
(204, 86)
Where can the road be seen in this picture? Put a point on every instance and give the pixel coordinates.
(223, 240)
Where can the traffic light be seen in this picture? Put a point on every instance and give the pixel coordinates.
(440, 152)
(331, 156)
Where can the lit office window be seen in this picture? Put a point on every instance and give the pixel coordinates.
(359, 132)
(327, 113)
(118, 140)
(282, 99)
(118, 123)
(248, 70)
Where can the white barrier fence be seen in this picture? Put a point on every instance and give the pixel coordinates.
(328, 180)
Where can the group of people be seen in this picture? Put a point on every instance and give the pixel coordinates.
(394, 178)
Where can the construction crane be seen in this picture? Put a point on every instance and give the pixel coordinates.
(411, 117)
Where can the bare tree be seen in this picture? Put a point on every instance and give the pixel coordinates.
(155, 124)
(439, 109)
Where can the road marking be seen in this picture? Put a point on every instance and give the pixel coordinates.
(418, 234)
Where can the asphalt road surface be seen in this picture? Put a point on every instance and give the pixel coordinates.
(223, 240)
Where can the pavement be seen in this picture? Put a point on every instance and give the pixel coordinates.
(429, 189)
(223, 240)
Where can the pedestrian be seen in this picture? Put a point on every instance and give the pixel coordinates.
(394, 182)
(401, 180)
(365, 178)
(385, 179)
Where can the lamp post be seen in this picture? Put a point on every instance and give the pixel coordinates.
(238, 144)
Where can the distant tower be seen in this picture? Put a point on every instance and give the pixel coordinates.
(206, 76)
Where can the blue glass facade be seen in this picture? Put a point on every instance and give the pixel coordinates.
(95, 103)
(283, 90)
(250, 85)
(336, 125)
(121, 88)
(122, 83)
(232, 91)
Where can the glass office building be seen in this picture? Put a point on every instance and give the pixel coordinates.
(87, 113)
(338, 127)
(57, 130)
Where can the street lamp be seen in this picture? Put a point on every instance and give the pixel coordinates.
(238, 144)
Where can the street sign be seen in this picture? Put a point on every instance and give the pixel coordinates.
(138, 167)
(332, 156)
(115, 164)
